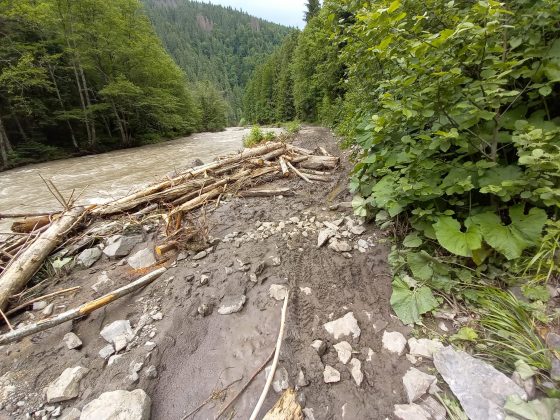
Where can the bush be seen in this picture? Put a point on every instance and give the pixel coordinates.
(292, 127)
(257, 136)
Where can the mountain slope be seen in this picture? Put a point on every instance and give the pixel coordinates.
(214, 43)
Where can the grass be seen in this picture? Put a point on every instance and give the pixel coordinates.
(257, 136)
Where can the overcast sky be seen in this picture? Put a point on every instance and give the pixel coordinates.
(286, 12)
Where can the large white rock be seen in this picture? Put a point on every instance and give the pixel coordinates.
(117, 329)
(345, 326)
(142, 259)
(424, 347)
(394, 342)
(67, 385)
(344, 350)
(72, 341)
(481, 389)
(416, 383)
(331, 375)
(119, 405)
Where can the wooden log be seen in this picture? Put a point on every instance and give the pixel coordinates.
(283, 166)
(81, 310)
(311, 171)
(298, 173)
(164, 248)
(300, 150)
(320, 178)
(20, 215)
(324, 151)
(29, 224)
(198, 201)
(320, 162)
(15, 277)
(265, 192)
(286, 408)
(295, 159)
(274, 153)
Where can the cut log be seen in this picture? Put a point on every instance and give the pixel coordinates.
(313, 172)
(295, 159)
(300, 150)
(283, 166)
(16, 276)
(320, 178)
(286, 408)
(324, 151)
(164, 248)
(320, 162)
(298, 173)
(265, 192)
(81, 310)
(274, 153)
(29, 224)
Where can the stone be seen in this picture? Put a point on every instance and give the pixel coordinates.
(424, 347)
(40, 305)
(339, 246)
(434, 408)
(527, 384)
(553, 341)
(320, 346)
(480, 388)
(88, 257)
(555, 369)
(305, 290)
(331, 375)
(116, 329)
(416, 383)
(344, 326)
(324, 236)
(394, 342)
(275, 261)
(150, 345)
(151, 372)
(356, 371)
(120, 343)
(379, 325)
(232, 305)
(301, 379)
(71, 414)
(158, 316)
(205, 309)
(200, 255)
(308, 413)
(67, 385)
(204, 279)
(142, 259)
(72, 341)
(106, 351)
(281, 379)
(119, 246)
(278, 291)
(196, 162)
(114, 359)
(357, 230)
(103, 283)
(49, 309)
(120, 404)
(344, 350)
(56, 412)
(411, 412)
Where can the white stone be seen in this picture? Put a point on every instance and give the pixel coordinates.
(320, 346)
(142, 259)
(119, 405)
(120, 343)
(339, 246)
(106, 351)
(103, 282)
(331, 375)
(356, 371)
(416, 383)
(39, 306)
(72, 341)
(424, 347)
(71, 414)
(344, 350)
(344, 326)
(357, 230)
(324, 236)
(278, 291)
(281, 379)
(116, 329)
(232, 305)
(48, 309)
(301, 379)
(88, 257)
(305, 290)
(120, 246)
(67, 385)
(434, 408)
(394, 342)
(411, 412)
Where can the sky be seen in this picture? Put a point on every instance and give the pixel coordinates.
(286, 12)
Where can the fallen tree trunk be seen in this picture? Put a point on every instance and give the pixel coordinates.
(29, 224)
(16, 276)
(298, 173)
(81, 310)
(265, 192)
(320, 162)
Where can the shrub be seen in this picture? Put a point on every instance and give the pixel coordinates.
(257, 136)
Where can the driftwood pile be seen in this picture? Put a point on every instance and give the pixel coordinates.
(38, 236)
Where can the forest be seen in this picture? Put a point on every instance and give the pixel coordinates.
(452, 111)
(89, 76)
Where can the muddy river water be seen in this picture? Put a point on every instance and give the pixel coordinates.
(109, 175)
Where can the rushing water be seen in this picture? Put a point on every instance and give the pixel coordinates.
(109, 175)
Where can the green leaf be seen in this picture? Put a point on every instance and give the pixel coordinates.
(535, 292)
(409, 303)
(419, 264)
(465, 334)
(545, 90)
(412, 240)
(524, 370)
(449, 236)
(541, 409)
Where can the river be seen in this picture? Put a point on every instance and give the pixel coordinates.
(111, 175)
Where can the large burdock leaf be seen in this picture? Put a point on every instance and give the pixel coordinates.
(449, 235)
(409, 302)
(511, 240)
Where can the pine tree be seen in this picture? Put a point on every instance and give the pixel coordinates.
(313, 7)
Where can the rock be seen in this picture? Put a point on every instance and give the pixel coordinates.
(49, 309)
(281, 379)
(301, 379)
(67, 385)
(72, 341)
(324, 236)
(553, 341)
(555, 369)
(424, 347)
(320, 346)
(356, 371)
(411, 412)
(196, 162)
(331, 375)
(357, 230)
(200, 255)
(480, 388)
(347, 325)
(308, 412)
(205, 309)
(106, 351)
(114, 405)
(40, 305)
(379, 325)
(151, 372)
(158, 316)
(114, 359)
(117, 329)
(56, 412)
(416, 383)
(88, 257)
(278, 291)
(231, 305)
(339, 246)
(434, 408)
(204, 279)
(120, 246)
(103, 283)
(344, 350)
(150, 345)
(120, 343)
(71, 414)
(394, 342)
(528, 385)
(275, 261)
(305, 290)
(142, 259)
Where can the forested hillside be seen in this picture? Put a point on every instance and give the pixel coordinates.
(214, 43)
(453, 110)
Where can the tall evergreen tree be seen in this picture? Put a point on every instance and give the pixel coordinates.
(313, 7)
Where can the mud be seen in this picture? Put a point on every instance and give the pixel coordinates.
(196, 356)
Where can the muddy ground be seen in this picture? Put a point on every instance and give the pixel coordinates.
(196, 356)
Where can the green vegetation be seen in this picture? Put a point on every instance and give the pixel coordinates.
(453, 110)
(214, 44)
(257, 136)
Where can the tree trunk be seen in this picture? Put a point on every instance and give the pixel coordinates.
(82, 100)
(119, 124)
(55, 84)
(93, 139)
(5, 146)
(20, 129)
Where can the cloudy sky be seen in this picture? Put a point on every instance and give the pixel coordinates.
(286, 12)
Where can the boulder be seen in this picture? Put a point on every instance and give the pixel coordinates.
(116, 405)
(416, 383)
(67, 385)
(118, 246)
(71, 414)
(142, 259)
(394, 342)
(88, 257)
(344, 326)
(480, 388)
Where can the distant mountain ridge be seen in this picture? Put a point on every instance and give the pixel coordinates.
(215, 43)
